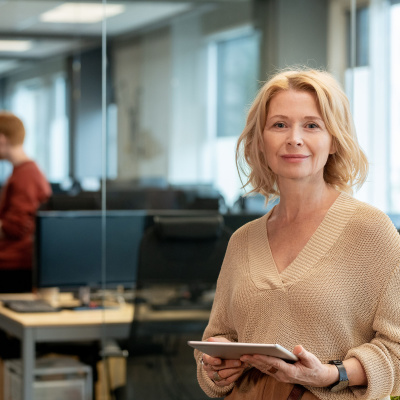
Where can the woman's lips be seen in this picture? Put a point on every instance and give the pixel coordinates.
(294, 157)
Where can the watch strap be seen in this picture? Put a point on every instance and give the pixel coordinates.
(343, 381)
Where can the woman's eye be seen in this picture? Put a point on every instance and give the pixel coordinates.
(312, 125)
(279, 125)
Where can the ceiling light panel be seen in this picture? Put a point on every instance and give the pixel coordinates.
(81, 13)
(15, 45)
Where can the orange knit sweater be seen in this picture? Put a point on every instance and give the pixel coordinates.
(339, 298)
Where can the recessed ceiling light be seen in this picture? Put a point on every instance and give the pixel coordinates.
(81, 13)
(15, 45)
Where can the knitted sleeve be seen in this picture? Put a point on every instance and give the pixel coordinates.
(24, 195)
(220, 322)
(18, 219)
(381, 356)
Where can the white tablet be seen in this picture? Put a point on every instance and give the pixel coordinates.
(234, 350)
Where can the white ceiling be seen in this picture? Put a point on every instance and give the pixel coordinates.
(20, 19)
(23, 16)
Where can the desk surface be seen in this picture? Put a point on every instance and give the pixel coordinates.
(121, 315)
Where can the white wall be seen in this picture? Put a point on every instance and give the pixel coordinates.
(189, 119)
(337, 38)
(142, 79)
(161, 88)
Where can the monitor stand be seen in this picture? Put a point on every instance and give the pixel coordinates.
(192, 296)
(103, 298)
(84, 295)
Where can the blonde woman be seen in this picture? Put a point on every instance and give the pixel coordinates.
(319, 274)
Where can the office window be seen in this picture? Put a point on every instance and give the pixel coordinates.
(237, 71)
(233, 84)
(371, 87)
(41, 104)
(362, 37)
(394, 107)
(112, 141)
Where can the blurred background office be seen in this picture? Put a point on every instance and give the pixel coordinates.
(137, 105)
(179, 78)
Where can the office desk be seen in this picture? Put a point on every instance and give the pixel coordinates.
(63, 326)
(70, 326)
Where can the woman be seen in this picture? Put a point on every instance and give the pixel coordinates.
(319, 274)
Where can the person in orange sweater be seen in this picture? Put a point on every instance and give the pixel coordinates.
(25, 190)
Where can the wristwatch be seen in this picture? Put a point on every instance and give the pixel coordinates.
(343, 381)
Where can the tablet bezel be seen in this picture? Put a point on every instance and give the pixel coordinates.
(234, 350)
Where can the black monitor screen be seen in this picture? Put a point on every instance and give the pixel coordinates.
(69, 248)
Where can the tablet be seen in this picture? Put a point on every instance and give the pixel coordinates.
(234, 350)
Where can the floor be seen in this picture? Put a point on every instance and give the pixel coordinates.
(163, 377)
(170, 376)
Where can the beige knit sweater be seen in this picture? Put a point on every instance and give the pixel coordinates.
(339, 298)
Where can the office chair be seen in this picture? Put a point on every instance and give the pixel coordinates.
(142, 198)
(198, 197)
(183, 250)
(174, 251)
(66, 202)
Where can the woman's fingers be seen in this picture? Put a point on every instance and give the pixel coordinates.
(224, 373)
(211, 360)
(224, 377)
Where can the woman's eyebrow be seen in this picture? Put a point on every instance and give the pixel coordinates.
(312, 117)
(281, 116)
(278, 116)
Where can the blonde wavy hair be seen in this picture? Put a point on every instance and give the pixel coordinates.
(345, 169)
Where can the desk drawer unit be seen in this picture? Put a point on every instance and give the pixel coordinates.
(55, 378)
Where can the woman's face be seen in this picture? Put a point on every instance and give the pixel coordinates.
(296, 141)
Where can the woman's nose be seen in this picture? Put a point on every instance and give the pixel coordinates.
(294, 138)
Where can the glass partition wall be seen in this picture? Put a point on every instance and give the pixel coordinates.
(132, 110)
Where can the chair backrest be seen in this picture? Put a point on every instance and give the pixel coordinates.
(144, 199)
(66, 202)
(176, 250)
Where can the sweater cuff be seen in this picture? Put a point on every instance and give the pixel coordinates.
(209, 387)
(380, 379)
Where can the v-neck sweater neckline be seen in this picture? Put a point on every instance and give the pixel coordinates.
(265, 274)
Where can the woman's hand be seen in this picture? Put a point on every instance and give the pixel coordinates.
(308, 371)
(222, 372)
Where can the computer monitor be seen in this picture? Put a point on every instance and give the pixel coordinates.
(68, 248)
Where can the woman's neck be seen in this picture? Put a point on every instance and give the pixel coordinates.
(299, 202)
